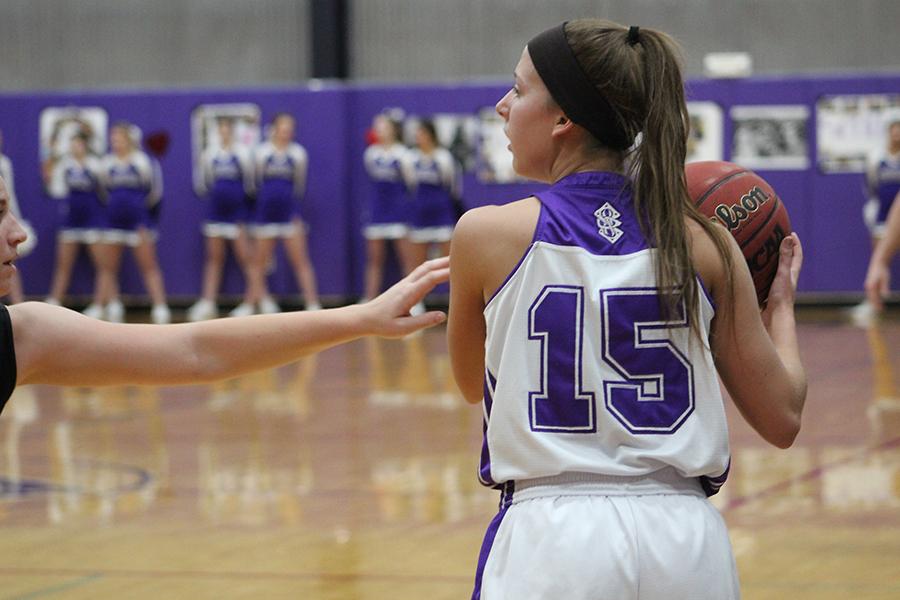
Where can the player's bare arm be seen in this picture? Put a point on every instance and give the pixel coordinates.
(59, 346)
(878, 276)
(487, 244)
(757, 355)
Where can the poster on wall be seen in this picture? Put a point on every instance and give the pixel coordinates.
(706, 140)
(245, 119)
(852, 129)
(495, 161)
(770, 137)
(57, 125)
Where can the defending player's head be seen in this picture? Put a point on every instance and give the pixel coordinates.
(11, 235)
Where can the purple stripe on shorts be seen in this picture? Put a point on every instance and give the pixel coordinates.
(490, 534)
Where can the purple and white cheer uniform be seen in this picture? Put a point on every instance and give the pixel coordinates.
(77, 186)
(389, 202)
(227, 182)
(129, 187)
(281, 184)
(434, 180)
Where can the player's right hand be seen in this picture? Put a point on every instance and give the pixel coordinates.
(878, 283)
(388, 314)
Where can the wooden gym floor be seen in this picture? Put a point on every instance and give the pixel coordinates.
(351, 475)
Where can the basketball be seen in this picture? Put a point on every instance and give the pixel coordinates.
(749, 208)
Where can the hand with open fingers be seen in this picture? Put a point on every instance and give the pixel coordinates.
(784, 288)
(878, 283)
(389, 313)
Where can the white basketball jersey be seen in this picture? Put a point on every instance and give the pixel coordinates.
(583, 375)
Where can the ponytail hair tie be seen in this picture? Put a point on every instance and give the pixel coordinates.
(634, 33)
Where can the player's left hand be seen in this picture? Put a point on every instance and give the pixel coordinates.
(784, 287)
(388, 314)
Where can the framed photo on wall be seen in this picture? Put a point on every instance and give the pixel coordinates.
(770, 137)
(706, 140)
(57, 125)
(850, 129)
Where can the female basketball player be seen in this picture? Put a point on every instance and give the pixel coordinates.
(579, 318)
(227, 180)
(878, 277)
(389, 205)
(75, 182)
(127, 176)
(16, 293)
(42, 343)
(281, 166)
(883, 185)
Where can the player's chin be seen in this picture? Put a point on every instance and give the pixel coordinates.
(5, 277)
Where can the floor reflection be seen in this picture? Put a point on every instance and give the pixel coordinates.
(351, 474)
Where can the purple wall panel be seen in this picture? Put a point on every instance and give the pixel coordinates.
(825, 209)
(321, 129)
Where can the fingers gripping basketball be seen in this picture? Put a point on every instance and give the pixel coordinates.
(749, 208)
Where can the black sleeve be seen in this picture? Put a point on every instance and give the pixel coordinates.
(7, 358)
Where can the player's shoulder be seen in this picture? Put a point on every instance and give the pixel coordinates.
(492, 220)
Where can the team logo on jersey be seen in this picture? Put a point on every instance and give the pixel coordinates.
(608, 223)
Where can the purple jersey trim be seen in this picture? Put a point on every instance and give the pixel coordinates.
(712, 485)
(706, 292)
(484, 469)
(568, 219)
(490, 535)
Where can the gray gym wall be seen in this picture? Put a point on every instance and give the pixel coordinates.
(66, 44)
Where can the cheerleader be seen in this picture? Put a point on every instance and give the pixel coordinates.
(227, 180)
(74, 182)
(281, 166)
(432, 174)
(128, 176)
(389, 202)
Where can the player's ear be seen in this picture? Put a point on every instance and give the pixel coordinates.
(563, 125)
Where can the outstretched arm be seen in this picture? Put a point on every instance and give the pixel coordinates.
(58, 346)
(878, 277)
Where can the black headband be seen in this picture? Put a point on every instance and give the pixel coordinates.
(557, 66)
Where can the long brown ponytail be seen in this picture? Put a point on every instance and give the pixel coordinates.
(640, 76)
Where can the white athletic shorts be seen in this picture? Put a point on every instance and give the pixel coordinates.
(580, 537)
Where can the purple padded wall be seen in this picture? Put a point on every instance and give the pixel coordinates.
(825, 208)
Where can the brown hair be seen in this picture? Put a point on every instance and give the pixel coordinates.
(642, 81)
